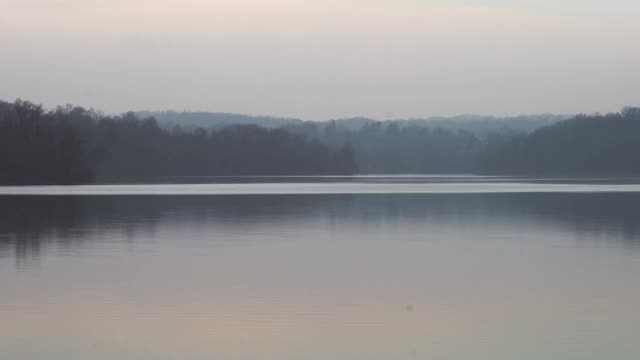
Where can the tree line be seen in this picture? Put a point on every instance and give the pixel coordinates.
(584, 145)
(587, 145)
(391, 148)
(75, 145)
(70, 145)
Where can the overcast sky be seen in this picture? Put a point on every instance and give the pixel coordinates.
(326, 58)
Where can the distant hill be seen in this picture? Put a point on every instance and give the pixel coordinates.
(477, 124)
(482, 126)
(209, 120)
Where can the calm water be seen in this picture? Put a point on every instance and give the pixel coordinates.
(380, 268)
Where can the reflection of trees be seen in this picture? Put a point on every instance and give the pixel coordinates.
(29, 225)
(610, 216)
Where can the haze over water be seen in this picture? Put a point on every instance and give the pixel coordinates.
(339, 275)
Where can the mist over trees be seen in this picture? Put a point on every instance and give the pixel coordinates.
(430, 145)
(190, 120)
(584, 145)
(70, 145)
(479, 125)
(390, 148)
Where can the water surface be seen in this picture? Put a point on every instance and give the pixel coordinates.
(327, 275)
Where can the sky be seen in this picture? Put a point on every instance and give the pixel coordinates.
(324, 59)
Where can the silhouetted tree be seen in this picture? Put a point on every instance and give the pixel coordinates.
(75, 145)
(39, 147)
(583, 146)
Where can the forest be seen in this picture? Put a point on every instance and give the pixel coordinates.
(586, 145)
(73, 145)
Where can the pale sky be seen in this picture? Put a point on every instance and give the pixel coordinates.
(324, 59)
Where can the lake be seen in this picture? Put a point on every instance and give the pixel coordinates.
(342, 268)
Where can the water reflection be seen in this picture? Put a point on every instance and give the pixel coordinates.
(464, 276)
(30, 225)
